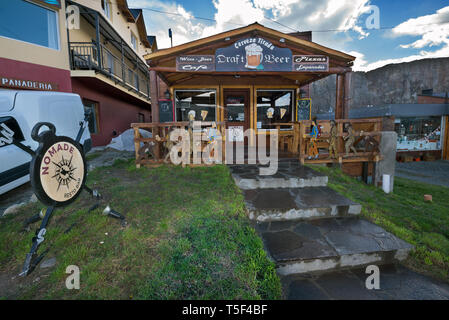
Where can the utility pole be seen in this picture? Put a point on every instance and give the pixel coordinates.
(170, 34)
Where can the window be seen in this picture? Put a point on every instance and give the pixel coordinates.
(106, 6)
(25, 21)
(274, 106)
(136, 81)
(140, 117)
(134, 41)
(196, 100)
(91, 107)
(416, 133)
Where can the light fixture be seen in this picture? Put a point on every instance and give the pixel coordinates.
(167, 94)
(227, 39)
(282, 40)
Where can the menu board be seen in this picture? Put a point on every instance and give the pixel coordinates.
(304, 109)
(166, 113)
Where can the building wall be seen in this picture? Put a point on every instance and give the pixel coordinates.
(35, 54)
(120, 23)
(115, 111)
(14, 69)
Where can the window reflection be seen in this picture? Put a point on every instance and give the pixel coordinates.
(200, 101)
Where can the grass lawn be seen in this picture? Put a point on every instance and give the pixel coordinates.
(405, 214)
(187, 237)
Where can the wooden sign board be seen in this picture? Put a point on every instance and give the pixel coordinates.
(310, 63)
(195, 63)
(304, 109)
(166, 111)
(253, 54)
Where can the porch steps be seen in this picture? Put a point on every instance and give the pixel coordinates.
(307, 227)
(289, 175)
(298, 203)
(329, 244)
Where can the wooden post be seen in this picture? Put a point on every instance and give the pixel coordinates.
(347, 95)
(154, 94)
(137, 145)
(339, 96)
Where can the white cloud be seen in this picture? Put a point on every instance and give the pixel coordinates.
(300, 15)
(432, 29)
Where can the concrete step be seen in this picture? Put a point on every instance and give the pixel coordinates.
(329, 244)
(297, 203)
(290, 174)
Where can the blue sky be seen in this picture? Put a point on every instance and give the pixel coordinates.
(420, 28)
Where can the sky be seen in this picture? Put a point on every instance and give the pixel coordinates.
(376, 32)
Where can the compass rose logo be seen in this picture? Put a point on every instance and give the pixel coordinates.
(64, 172)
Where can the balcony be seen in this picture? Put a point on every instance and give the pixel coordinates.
(84, 56)
(108, 53)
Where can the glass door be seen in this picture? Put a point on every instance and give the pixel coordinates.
(236, 113)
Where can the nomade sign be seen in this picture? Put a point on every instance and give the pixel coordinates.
(252, 54)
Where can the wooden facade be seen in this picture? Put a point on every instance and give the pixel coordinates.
(249, 84)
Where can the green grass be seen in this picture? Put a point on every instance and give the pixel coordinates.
(188, 237)
(405, 214)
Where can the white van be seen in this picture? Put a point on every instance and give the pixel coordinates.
(20, 111)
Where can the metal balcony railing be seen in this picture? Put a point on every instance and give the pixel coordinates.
(84, 56)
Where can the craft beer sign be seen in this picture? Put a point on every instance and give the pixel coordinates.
(252, 54)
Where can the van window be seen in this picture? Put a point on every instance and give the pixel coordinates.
(92, 108)
(18, 17)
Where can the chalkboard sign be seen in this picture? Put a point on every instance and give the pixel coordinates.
(304, 109)
(166, 111)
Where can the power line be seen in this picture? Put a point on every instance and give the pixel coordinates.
(285, 26)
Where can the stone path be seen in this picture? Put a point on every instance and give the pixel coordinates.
(396, 283)
(432, 172)
(319, 244)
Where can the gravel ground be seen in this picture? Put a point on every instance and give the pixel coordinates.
(432, 172)
(23, 193)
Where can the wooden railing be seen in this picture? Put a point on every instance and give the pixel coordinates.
(297, 140)
(361, 128)
(152, 151)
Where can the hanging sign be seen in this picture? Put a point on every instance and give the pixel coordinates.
(310, 63)
(253, 54)
(195, 63)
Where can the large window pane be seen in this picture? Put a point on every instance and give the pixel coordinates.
(274, 106)
(422, 133)
(24, 21)
(196, 100)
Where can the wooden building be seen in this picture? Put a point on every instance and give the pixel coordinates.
(251, 77)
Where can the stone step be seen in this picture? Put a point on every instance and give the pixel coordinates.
(290, 174)
(298, 203)
(329, 244)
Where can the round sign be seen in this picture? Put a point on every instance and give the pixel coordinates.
(58, 170)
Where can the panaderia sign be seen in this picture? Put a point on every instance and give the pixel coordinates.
(252, 54)
(12, 83)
